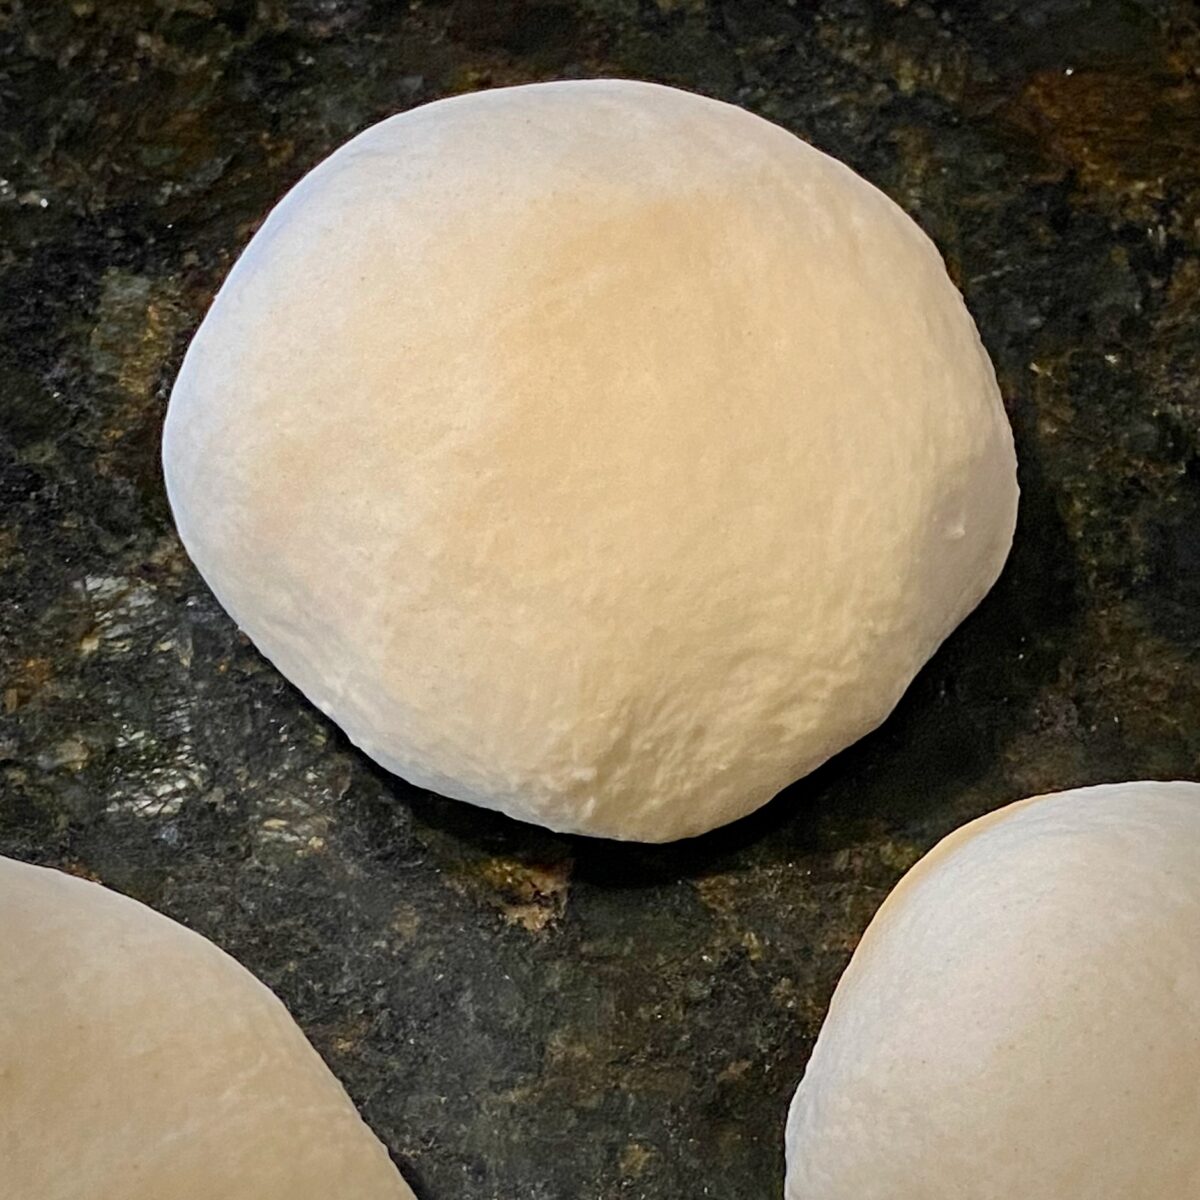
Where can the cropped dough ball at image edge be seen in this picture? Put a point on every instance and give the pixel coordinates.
(1022, 1015)
(141, 1062)
(592, 451)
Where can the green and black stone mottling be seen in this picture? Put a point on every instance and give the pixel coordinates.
(521, 1014)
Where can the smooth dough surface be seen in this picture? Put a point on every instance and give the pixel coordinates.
(140, 1062)
(1022, 1017)
(592, 451)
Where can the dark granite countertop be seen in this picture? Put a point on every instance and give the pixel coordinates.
(521, 1014)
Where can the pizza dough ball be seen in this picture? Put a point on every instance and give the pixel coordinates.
(592, 451)
(139, 1062)
(1022, 1017)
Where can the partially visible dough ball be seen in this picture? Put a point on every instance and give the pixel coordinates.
(140, 1062)
(1022, 1017)
(592, 451)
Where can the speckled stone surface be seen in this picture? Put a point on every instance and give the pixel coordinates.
(521, 1014)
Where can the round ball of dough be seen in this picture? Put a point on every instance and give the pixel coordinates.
(592, 451)
(140, 1062)
(1022, 1017)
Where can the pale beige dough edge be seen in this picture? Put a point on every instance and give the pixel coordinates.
(140, 1062)
(592, 451)
(1022, 1016)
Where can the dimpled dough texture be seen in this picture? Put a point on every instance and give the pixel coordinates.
(1022, 1018)
(139, 1062)
(592, 451)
